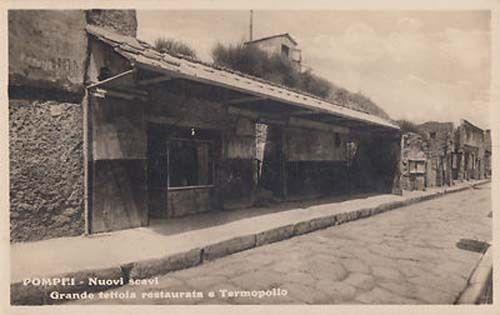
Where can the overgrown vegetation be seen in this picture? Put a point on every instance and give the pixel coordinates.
(275, 68)
(174, 47)
(358, 101)
(253, 61)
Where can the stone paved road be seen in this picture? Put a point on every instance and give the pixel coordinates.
(405, 256)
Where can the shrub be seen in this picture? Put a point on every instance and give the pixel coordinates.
(239, 57)
(175, 47)
(251, 60)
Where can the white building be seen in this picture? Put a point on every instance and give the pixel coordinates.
(283, 44)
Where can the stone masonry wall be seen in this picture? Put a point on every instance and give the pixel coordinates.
(46, 137)
(47, 49)
(46, 169)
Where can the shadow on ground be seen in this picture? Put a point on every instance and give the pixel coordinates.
(209, 219)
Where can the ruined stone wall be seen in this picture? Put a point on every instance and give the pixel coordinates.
(46, 169)
(440, 142)
(43, 56)
(470, 146)
(46, 75)
(414, 147)
(431, 172)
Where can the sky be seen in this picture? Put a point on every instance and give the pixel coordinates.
(416, 65)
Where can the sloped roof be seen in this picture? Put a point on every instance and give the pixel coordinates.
(141, 53)
(273, 36)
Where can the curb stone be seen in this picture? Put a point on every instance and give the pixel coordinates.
(228, 247)
(478, 280)
(274, 235)
(152, 267)
(32, 295)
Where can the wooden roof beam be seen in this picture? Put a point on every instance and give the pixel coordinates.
(246, 99)
(304, 112)
(154, 80)
(110, 79)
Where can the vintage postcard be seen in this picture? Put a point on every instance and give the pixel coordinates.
(256, 155)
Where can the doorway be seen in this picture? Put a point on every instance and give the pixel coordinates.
(271, 160)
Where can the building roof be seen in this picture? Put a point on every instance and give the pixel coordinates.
(141, 54)
(273, 36)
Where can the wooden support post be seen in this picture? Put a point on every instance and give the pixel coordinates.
(86, 163)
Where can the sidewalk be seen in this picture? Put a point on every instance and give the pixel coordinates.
(157, 249)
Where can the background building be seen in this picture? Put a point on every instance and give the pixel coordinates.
(440, 149)
(469, 152)
(444, 154)
(281, 44)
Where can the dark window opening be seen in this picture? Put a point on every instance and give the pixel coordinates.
(285, 50)
(190, 163)
(338, 141)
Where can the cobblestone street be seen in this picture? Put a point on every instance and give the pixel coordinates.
(405, 256)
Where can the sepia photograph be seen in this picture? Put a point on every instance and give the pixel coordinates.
(250, 156)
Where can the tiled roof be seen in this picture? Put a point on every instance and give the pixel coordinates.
(141, 53)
